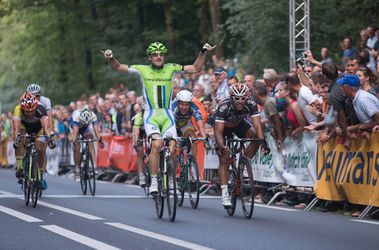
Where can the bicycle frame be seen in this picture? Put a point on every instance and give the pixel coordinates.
(31, 184)
(85, 156)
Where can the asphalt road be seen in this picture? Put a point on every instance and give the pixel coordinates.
(121, 217)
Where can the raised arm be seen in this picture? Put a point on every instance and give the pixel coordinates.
(115, 64)
(200, 60)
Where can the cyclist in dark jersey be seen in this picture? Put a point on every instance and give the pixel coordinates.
(240, 116)
(30, 117)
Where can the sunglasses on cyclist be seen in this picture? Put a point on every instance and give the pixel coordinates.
(155, 54)
(242, 98)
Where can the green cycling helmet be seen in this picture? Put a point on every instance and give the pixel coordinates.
(156, 47)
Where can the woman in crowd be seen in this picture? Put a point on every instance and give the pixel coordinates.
(293, 114)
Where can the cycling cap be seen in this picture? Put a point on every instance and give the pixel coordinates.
(238, 89)
(184, 96)
(28, 102)
(34, 89)
(85, 116)
(156, 47)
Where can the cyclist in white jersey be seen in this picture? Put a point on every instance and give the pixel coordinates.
(157, 85)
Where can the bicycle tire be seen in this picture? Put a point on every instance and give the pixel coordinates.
(26, 186)
(158, 198)
(91, 175)
(171, 197)
(34, 189)
(83, 175)
(181, 183)
(193, 182)
(232, 192)
(247, 191)
(146, 173)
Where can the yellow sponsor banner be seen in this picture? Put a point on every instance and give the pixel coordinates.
(349, 175)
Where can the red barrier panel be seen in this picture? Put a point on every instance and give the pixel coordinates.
(102, 160)
(133, 158)
(119, 152)
(117, 155)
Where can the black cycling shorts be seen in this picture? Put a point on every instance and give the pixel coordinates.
(240, 130)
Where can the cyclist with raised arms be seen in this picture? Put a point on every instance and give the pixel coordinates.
(157, 85)
(184, 109)
(29, 117)
(240, 116)
(84, 123)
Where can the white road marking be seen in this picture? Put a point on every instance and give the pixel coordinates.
(62, 209)
(366, 221)
(69, 211)
(157, 236)
(19, 215)
(79, 238)
(277, 208)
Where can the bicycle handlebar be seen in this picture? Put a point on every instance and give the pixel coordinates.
(86, 140)
(32, 136)
(245, 139)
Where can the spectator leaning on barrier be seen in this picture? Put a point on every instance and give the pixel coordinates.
(293, 114)
(366, 105)
(272, 114)
(305, 96)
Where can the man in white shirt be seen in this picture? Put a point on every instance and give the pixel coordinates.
(305, 97)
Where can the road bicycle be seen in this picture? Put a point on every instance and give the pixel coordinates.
(144, 143)
(241, 179)
(189, 173)
(166, 182)
(87, 171)
(31, 182)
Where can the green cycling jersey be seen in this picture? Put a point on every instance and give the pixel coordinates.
(138, 121)
(157, 83)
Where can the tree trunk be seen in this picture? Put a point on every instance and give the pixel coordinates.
(169, 27)
(214, 9)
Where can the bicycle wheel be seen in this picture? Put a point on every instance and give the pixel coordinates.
(83, 174)
(146, 173)
(232, 192)
(193, 184)
(171, 189)
(36, 183)
(25, 183)
(91, 175)
(247, 187)
(181, 183)
(158, 198)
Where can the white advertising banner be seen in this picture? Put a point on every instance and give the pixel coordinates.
(290, 166)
